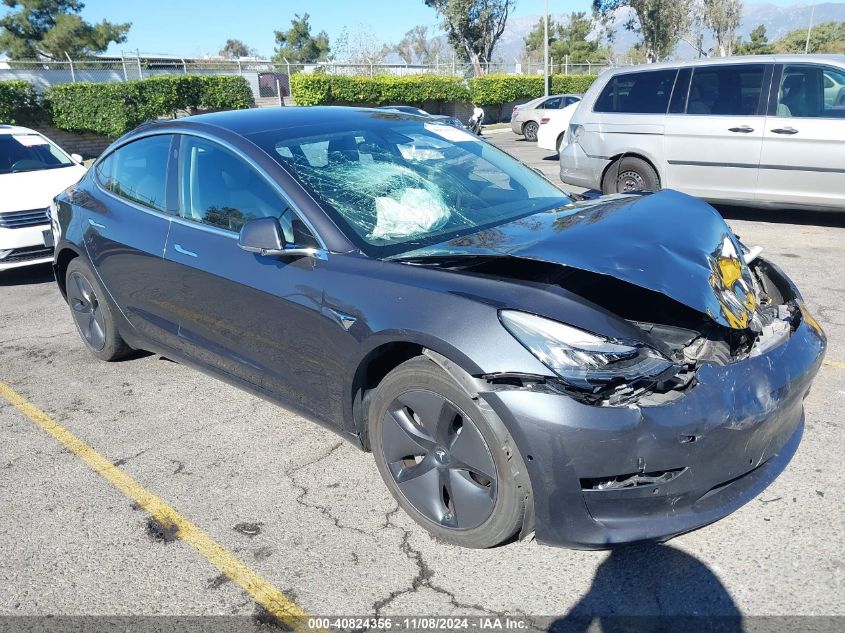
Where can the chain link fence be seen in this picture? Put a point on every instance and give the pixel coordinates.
(269, 80)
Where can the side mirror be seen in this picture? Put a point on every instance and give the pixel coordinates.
(265, 237)
(76, 158)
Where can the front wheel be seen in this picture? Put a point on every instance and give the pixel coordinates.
(447, 460)
(628, 174)
(530, 131)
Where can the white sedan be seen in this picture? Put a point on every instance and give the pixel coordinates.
(33, 170)
(553, 127)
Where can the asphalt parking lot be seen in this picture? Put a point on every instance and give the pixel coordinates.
(309, 514)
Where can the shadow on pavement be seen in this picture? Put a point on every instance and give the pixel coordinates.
(652, 587)
(27, 275)
(783, 216)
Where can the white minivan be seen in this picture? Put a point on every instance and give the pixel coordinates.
(764, 130)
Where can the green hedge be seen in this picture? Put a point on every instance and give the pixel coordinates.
(499, 89)
(319, 88)
(112, 109)
(19, 104)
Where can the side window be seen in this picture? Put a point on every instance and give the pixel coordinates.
(138, 171)
(811, 91)
(678, 104)
(551, 104)
(644, 92)
(220, 189)
(730, 90)
(571, 100)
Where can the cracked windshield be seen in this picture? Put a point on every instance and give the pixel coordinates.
(399, 184)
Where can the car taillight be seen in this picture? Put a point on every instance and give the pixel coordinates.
(544, 120)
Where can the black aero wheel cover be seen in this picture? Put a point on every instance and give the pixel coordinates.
(439, 460)
(87, 311)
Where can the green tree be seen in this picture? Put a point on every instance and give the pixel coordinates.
(828, 37)
(53, 28)
(233, 49)
(571, 38)
(722, 18)
(757, 44)
(297, 45)
(416, 47)
(473, 27)
(660, 23)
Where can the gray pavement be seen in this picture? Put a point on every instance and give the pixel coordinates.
(330, 536)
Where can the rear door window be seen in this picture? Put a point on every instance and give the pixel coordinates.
(551, 104)
(729, 90)
(138, 171)
(645, 92)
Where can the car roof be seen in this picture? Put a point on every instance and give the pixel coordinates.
(838, 60)
(16, 129)
(254, 120)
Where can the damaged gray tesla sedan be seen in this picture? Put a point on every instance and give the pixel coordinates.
(593, 371)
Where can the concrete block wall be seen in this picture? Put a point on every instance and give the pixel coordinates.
(86, 144)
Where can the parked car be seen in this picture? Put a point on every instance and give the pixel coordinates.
(33, 170)
(599, 372)
(526, 118)
(759, 131)
(440, 118)
(553, 126)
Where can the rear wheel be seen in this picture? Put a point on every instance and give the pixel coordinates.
(530, 130)
(447, 460)
(558, 143)
(630, 173)
(92, 313)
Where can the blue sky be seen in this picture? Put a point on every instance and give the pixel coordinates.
(197, 27)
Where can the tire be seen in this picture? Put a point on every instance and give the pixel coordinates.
(529, 130)
(558, 143)
(92, 313)
(461, 478)
(630, 173)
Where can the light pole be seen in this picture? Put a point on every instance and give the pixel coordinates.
(546, 49)
(809, 30)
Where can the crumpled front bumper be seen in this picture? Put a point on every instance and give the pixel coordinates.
(724, 441)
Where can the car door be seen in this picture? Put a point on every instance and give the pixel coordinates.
(126, 228)
(714, 136)
(803, 158)
(251, 317)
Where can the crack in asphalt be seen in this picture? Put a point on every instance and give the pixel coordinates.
(423, 577)
(40, 337)
(123, 460)
(304, 490)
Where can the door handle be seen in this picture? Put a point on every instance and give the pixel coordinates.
(785, 130)
(743, 129)
(96, 225)
(178, 248)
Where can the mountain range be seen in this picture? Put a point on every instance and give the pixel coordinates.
(778, 20)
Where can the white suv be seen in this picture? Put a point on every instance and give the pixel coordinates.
(33, 170)
(763, 130)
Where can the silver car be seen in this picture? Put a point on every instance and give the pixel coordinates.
(525, 119)
(764, 131)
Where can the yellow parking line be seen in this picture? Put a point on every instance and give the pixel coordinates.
(264, 593)
(835, 363)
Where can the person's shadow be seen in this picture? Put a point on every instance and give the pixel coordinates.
(653, 588)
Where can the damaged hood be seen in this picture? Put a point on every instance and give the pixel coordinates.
(667, 242)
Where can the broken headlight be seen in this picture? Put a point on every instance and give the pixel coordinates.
(582, 359)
